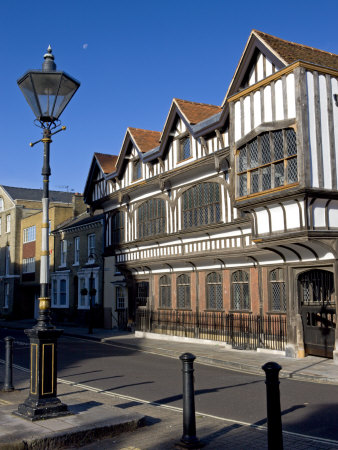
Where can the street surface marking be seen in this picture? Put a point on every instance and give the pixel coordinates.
(180, 410)
(4, 402)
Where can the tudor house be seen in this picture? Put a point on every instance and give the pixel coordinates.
(233, 208)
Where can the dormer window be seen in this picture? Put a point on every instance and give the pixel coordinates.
(137, 170)
(184, 149)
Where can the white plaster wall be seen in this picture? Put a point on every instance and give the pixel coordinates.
(318, 211)
(277, 218)
(292, 215)
(333, 214)
(312, 130)
(262, 221)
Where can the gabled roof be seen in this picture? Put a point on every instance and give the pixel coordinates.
(281, 53)
(18, 193)
(291, 52)
(196, 112)
(106, 162)
(145, 140)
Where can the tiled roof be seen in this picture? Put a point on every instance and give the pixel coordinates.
(18, 193)
(145, 139)
(291, 52)
(107, 162)
(196, 112)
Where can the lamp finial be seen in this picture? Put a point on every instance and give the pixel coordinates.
(48, 63)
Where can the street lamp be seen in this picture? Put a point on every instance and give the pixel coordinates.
(47, 92)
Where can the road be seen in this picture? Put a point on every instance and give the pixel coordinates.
(307, 408)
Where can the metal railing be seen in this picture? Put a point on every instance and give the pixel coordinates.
(242, 331)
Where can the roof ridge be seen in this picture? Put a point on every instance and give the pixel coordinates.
(197, 103)
(294, 43)
(143, 129)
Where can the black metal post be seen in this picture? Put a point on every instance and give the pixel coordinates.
(275, 434)
(189, 438)
(8, 382)
(42, 402)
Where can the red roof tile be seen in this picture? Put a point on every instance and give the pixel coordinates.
(145, 139)
(291, 52)
(196, 112)
(107, 162)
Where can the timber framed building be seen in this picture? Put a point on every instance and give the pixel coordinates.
(233, 208)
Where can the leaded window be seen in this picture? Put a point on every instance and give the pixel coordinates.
(184, 149)
(277, 290)
(165, 292)
(151, 218)
(214, 291)
(316, 287)
(201, 205)
(183, 291)
(240, 291)
(117, 227)
(266, 162)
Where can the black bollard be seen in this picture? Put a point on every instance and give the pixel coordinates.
(275, 434)
(189, 438)
(8, 384)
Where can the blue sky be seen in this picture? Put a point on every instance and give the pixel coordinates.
(131, 58)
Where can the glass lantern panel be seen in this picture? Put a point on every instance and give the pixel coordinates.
(67, 89)
(46, 85)
(27, 89)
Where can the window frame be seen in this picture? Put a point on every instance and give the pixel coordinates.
(2, 205)
(192, 210)
(252, 168)
(76, 250)
(28, 265)
(241, 284)
(219, 284)
(56, 280)
(151, 218)
(165, 282)
(63, 252)
(282, 288)
(8, 223)
(136, 170)
(183, 280)
(91, 249)
(181, 148)
(29, 234)
(118, 228)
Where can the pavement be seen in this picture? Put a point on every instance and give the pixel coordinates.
(104, 420)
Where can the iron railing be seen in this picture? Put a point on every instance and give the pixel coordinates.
(242, 331)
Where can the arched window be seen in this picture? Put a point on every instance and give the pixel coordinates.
(201, 205)
(277, 290)
(183, 291)
(316, 287)
(151, 218)
(214, 291)
(117, 227)
(240, 291)
(165, 292)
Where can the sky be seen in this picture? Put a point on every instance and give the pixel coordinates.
(132, 58)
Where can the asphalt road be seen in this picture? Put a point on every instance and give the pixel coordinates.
(307, 408)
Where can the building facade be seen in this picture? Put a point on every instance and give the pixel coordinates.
(77, 279)
(17, 247)
(233, 208)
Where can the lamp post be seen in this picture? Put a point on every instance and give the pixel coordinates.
(47, 92)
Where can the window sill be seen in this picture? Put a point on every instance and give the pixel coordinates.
(83, 307)
(184, 160)
(75, 264)
(60, 307)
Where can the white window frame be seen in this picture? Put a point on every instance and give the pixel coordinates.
(84, 282)
(8, 223)
(29, 234)
(28, 265)
(1, 204)
(120, 298)
(0, 226)
(57, 278)
(91, 249)
(63, 253)
(76, 251)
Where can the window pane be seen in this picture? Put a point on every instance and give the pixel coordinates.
(242, 160)
(278, 144)
(242, 188)
(292, 170)
(254, 181)
(265, 145)
(279, 174)
(253, 147)
(291, 142)
(266, 178)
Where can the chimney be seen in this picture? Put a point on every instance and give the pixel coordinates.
(79, 205)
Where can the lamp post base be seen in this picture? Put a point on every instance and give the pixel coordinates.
(42, 409)
(42, 402)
